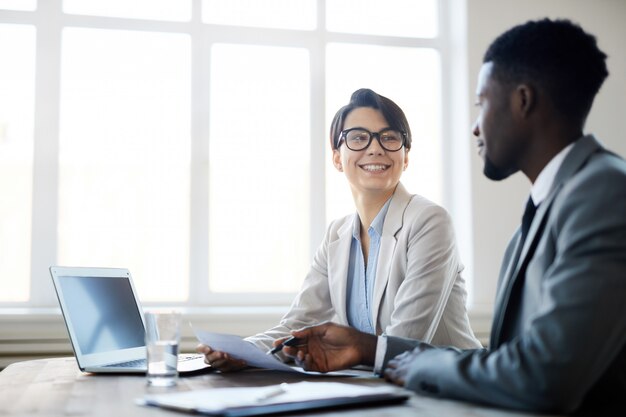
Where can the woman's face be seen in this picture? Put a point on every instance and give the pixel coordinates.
(373, 169)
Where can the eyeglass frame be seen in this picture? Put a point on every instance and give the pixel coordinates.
(372, 135)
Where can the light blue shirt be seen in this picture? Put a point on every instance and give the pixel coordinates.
(361, 278)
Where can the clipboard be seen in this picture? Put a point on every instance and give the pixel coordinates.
(257, 401)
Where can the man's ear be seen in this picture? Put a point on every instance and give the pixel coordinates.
(337, 160)
(524, 100)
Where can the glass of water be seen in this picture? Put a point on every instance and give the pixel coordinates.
(162, 340)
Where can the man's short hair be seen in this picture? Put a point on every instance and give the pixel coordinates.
(559, 56)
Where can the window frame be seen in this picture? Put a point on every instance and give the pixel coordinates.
(49, 21)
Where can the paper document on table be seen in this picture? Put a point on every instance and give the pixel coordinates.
(238, 348)
(276, 398)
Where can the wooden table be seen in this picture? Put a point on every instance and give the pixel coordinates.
(56, 387)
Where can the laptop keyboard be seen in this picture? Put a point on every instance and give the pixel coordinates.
(137, 363)
(141, 363)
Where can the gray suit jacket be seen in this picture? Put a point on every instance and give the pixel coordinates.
(558, 339)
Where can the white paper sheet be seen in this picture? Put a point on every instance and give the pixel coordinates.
(238, 348)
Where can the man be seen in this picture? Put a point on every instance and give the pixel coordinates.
(558, 339)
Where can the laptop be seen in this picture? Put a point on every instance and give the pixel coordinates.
(105, 323)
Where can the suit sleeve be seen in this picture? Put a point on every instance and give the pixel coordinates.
(578, 327)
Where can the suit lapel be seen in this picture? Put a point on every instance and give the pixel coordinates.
(511, 262)
(517, 266)
(388, 241)
(338, 261)
(572, 163)
(534, 232)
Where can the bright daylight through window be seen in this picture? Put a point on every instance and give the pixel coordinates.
(187, 140)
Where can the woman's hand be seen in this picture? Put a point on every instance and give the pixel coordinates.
(220, 360)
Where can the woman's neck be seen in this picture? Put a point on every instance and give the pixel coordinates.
(368, 205)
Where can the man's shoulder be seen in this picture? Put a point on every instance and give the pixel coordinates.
(595, 191)
(608, 159)
(603, 170)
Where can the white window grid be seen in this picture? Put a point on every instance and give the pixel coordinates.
(49, 21)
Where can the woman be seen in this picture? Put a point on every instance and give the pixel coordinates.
(392, 267)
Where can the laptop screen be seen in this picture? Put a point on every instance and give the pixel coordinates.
(104, 313)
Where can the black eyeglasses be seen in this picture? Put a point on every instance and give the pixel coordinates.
(357, 139)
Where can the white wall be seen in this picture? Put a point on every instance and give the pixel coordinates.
(497, 207)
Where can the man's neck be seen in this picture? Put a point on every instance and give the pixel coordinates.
(545, 180)
(545, 147)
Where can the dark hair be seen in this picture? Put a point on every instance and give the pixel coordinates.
(365, 97)
(559, 56)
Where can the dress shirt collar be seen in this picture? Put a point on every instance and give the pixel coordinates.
(377, 223)
(540, 189)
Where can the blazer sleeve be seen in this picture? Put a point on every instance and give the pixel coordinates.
(578, 328)
(312, 304)
(430, 301)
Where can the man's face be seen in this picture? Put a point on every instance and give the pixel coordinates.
(497, 137)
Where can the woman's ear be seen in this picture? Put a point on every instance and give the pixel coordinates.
(337, 160)
(406, 160)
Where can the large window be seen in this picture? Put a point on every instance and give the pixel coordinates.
(259, 168)
(17, 81)
(187, 140)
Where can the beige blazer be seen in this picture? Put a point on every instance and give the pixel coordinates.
(418, 292)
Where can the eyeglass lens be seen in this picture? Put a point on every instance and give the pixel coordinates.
(359, 139)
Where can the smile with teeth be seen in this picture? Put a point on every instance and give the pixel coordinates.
(374, 167)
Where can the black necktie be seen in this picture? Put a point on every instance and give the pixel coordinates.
(527, 218)
(516, 282)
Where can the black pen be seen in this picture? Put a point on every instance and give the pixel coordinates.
(289, 342)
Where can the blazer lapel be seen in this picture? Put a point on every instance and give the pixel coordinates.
(581, 151)
(393, 223)
(338, 260)
(503, 288)
(579, 154)
(534, 232)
